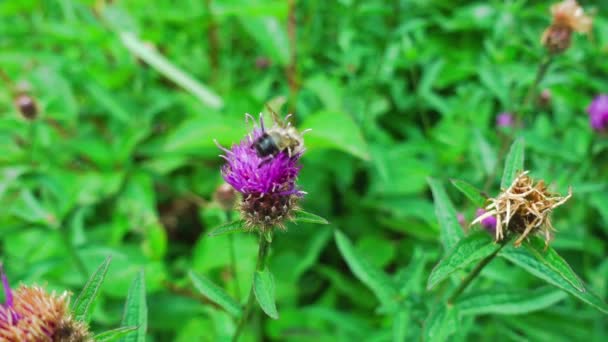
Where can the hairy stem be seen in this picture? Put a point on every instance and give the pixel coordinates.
(475, 272)
(264, 247)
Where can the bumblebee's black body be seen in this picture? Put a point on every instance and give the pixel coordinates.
(265, 145)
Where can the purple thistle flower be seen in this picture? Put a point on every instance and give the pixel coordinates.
(489, 223)
(461, 220)
(8, 316)
(598, 113)
(505, 119)
(267, 183)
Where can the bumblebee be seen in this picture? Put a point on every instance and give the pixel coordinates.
(282, 136)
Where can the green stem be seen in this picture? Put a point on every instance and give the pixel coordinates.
(540, 74)
(467, 281)
(233, 268)
(264, 247)
(65, 236)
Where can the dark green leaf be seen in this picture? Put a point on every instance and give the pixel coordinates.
(382, 286)
(471, 192)
(469, 249)
(306, 217)
(548, 256)
(514, 163)
(451, 231)
(508, 302)
(523, 258)
(228, 228)
(81, 307)
(136, 310)
(216, 294)
(263, 287)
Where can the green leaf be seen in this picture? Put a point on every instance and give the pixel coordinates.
(514, 163)
(523, 258)
(270, 36)
(114, 334)
(169, 70)
(81, 307)
(136, 310)
(325, 133)
(401, 325)
(216, 294)
(509, 302)
(471, 192)
(228, 228)
(441, 323)
(451, 231)
(548, 256)
(263, 287)
(469, 249)
(382, 286)
(306, 217)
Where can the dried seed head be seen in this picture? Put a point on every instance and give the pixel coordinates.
(523, 208)
(568, 17)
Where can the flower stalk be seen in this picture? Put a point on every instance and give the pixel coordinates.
(263, 249)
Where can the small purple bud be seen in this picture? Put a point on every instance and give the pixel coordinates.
(505, 119)
(489, 223)
(461, 220)
(598, 113)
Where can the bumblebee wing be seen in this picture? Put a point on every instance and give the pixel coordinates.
(275, 117)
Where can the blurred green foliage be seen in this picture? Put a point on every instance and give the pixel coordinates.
(121, 160)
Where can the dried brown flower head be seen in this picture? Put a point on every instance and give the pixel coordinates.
(568, 16)
(524, 208)
(34, 315)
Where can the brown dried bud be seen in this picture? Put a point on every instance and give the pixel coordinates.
(524, 209)
(568, 17)
(26, 106)
(268, 211)
(225, 196)
(545, 98)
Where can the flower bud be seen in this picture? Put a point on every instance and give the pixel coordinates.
(598, 113)
(505, 119)
(225, 196)
(26, 105)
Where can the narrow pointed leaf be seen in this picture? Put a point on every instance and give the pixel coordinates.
(169, 70)
(468, 250)
(374, 278)
(114, 334)
(306, 217)
(401, 325)
(216, 294)
(228, 228)
(549, 256)
(451, 231)
(471, 192)
(523, 258)
(263, 287)
(513, 163)
(136, 310)
(441, 323)
(81, 307)
(509, 302)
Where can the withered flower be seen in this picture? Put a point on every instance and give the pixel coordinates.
(31, 314)
(568, 16)
(524, 208)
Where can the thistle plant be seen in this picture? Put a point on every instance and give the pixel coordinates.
(263, 169)
(598, 113)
